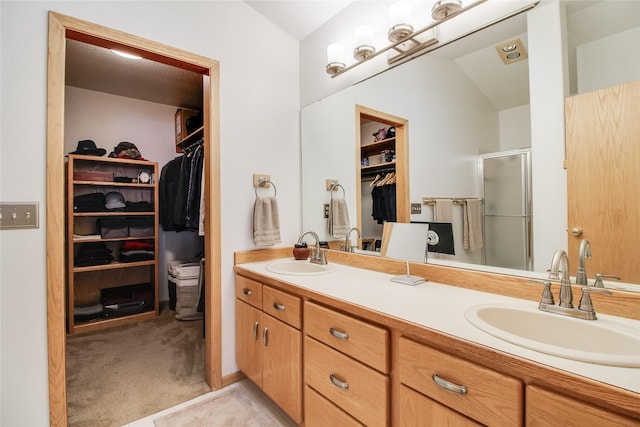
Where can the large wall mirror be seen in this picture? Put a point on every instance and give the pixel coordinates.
(464, 104)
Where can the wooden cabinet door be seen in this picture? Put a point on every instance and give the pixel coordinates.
(249, 341)
(282, 366)
(603, 176)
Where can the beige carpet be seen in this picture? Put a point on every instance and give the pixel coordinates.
(122, 374)
(240, 405)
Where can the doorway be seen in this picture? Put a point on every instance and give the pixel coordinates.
(62, 27)
(383, 164)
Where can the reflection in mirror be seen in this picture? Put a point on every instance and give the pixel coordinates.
(460, 109)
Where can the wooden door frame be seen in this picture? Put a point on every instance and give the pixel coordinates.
(403, 211)
(62, 27)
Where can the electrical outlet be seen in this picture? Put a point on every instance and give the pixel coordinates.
(416, 208)
(331, 183)
(18, 215)
(326, 210)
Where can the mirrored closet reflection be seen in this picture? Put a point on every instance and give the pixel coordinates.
(134, 152)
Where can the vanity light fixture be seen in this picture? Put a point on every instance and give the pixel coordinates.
(364, 43)
(399, 16)
(443, 8)
(404, 40)
(125, 54)
(335, 59)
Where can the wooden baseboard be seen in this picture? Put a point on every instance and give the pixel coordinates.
(232, 378)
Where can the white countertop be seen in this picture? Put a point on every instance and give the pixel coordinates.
(441, 307)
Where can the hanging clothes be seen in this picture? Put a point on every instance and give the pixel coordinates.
(180, 190)
(383, 193)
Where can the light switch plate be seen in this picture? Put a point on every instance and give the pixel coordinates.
(326, 210)
(416, 208)
(18, 215)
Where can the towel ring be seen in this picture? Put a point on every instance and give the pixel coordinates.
(334, 188)
(263, 183)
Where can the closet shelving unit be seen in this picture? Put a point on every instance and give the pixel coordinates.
(375, 148)
(190, 139)
(84, 284)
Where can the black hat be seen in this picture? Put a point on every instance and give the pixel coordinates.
(88, 148)
(127, 150)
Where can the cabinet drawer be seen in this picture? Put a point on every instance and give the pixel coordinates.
(363, 341)
(249, 291)
(417, 410)
(491, 398)
(282, 306)
(319, 412)
(546, 408)
(352, 386)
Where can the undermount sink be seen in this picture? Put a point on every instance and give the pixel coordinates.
(599, 342)
(298, 267)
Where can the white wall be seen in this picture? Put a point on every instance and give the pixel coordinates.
(255, 89)
(609, 61)
(515, 128)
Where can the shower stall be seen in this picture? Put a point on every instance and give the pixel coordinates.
(507, 214)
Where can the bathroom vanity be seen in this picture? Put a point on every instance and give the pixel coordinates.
(356, 348)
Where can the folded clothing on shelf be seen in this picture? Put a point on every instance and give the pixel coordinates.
(92, 202)
(141, 227)
(139, 207)
(93, 253)
(113, 228)
(126, 300)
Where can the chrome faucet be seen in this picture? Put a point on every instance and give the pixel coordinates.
(317, 254)
(585, 310)
(347, 247)
(560, 262)
(585, 252)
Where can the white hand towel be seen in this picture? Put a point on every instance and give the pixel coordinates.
(472, 231)
(266, 221)
(338, 218)
(443, 210)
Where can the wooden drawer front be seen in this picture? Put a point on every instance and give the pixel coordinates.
(417, 410)
(546, 408)
(366, 397)
(249, 291)
(360, 340)
(491, 398)
(283, 306)
(319, 412)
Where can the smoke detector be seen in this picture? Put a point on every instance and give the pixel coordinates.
(512, 51)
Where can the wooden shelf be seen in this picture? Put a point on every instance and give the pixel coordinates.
(119, 213)
(114, 239)
(100, 324)
(191, 138)
(380, 166)
(113, 184)
(112, 266)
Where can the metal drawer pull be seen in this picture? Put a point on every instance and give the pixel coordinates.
(279, 307)
(338, 383)
(246, 291)
(448, 386)
(265, 337)
(338, 334)
(255, 330)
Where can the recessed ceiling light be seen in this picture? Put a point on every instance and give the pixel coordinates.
(511, 51)
(125, 55)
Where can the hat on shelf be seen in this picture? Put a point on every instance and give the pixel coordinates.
(88, 148)
(126, 150)
(114, 201)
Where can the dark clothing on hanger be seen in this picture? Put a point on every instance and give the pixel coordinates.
(384, 203)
